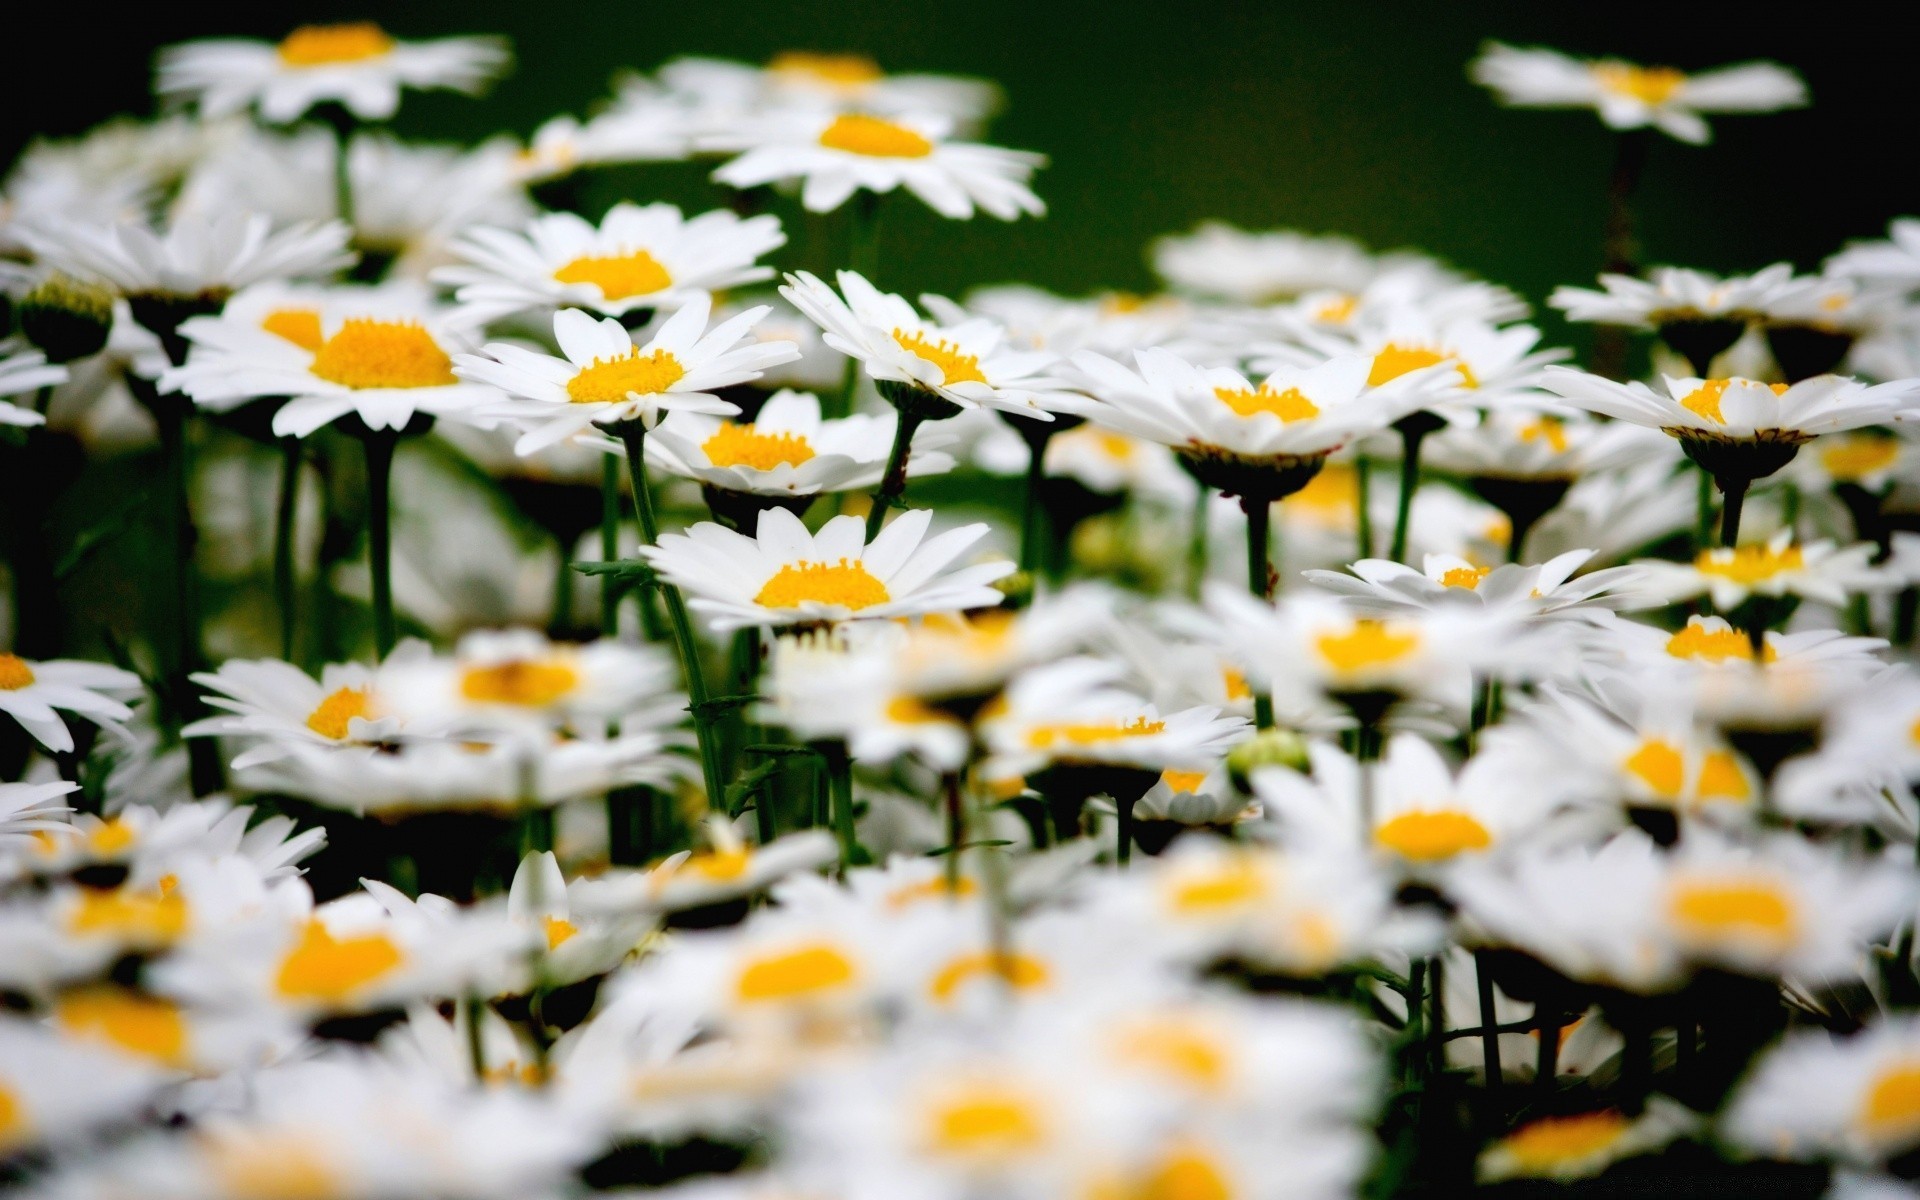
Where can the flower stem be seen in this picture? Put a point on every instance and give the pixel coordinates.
(840, 798)
(1489, 1032)
(379, 444)
(1197, 542)
(1363, 506)
(634, 436)
(342, 122)
(893, 484)
(1735, 491)
(283, 549)
(863, 235)
(1259, 581)
(609, 543)
(1031, 516)
(1630, 155)
(1410, 440)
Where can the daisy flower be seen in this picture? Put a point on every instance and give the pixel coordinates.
(1458, 368)
(1669, 295)
(1819, 571)
(1628, 96)
(969, 365)
(57, 1090)
(357, 65)
(35, 693)
(380, 354)
(273, 704)
(1579, 1145)
(784, 575)
(726, 869)
(1516, 445)
(27, 808)
(1381, 587)
(22, 372)
(834, 685)
(1893, 260)
(834, 81)
(1817, 1096)
(834, 155)
(638, 258)
(1221, 262)
(605, 379)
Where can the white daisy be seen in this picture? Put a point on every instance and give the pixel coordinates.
(844, 82)
(637, 258)
(35, 693)
(1671, 295)
(197, 258)
(1818, 1096)
(1219, 261)
(357, 65)
(55, 1090)
(1893, 260)
(784, 575)
(1073, 713)
(27, 808)
(605, 379)
(22, 372)
(273, 704)
(1457, 368)
(1819, 571)
(1628, 96)
(1381, 587)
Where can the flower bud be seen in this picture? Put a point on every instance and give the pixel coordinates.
(1268, 748)
(66, 318)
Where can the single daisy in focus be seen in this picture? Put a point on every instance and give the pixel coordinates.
(784, 575)
(638, 258)
(23, 372)
(35, 693)
(1221, 262)
(1819, 571)
(272, 704)
(382, 355)
(605, 379)
(969, 365)
(1629, 96)
(357, 65)
(834, 155)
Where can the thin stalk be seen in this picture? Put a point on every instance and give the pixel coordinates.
(1410, 440)
(840, 798)
(634, 436)
(1259, 582)
(956, 829)
(863, 235)
(1703, 511)
(1363, 506)
(1032, 515)
(1735, 491)
(1630, 155)
(1123, 829)
(379, 445)
(342, 122)
(893, 484)
(476, 1047)
(1197, 542)
(283, 548)
(1546, 1063)
(1489, 1033)
(562, 620)
(609, 543)
(1437, 1020)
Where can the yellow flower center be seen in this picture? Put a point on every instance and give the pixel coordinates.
(1714, 909)
(1183, 781)
(839, 70)
(1660, 766)
(1715, 644)
(14, 673)
(955, 367)
(858, 133)
(527, 683)
(720, 866)
(272, 1166)
(1367, 645)
(367, 353)
(845, 584)
(333, 716)
(1551, 430)
(558, 931)
(906, 710)
(1649, 85)
(325, 968)
(745, 446)
(1722, 779)
(1236, 684)
(301, 326)
(612, 380)
(987, 1122)
(1185, 1174)
(112, 836)
(1891, 1109)
(1328, 499)
(1170, 1047)
(936, 888)
(1397, 360)
(618, 276)
(15, 1129)
(325, 45)
(1543, 1145)
(1433, 836)
(1288, 405)
(1020, 972)
(1750, 564)
(133, 916)
(802, 974)
(1337, 311)
(1704, 401)
(142, 1025)
(1850, 458)
(1090, 733)
(1233, 884)
(1464, 577)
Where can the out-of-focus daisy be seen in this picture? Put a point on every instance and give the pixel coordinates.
(1698, 314)
(1816, 1096)
(605, 379)
(517, 681)
(56, 1090)
(1072, 713)
(380, 354)
(26, 808)
(1818, 571)
(35, 693)
(784, 575)
(725, 869)
(1463, 365)
(1219, 261)
(1629, 96)
(1894, 259)
(841, 685)
(22, 372)
(639, 257)
(1381, 587)
(832, 81)
(1579, 1145)
(275, 704)
(357, 65)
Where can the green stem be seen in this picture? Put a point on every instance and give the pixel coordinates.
(379, 445)
(1410, 440)
(956, 829)
(1735, 491)
(342, 122)
(561, 623)
(1031, 516)
(863, 236)
(1703, 511)
(1363, 506)
(634, 436)
(1197, 542)
(1259, 582)
(1489, 1033)
(609, 543)
(893, 484)
(283, 549)
(476, 1045)
(840, 798)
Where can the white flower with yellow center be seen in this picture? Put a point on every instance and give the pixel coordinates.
(787, 450)
(1736, 410)
(1380, 587)
(833, 155)
(55, 1090)
(1514, 444)
(1869, 749)
(27, 809)
(1819, 571)
(633, 129)
(516, 681)
(267, 705)
(22, 372)
(36, 693)
(201, 258)
(727, 868)
(1629, 96)
(605, 379)
(1457, 368)
(1675, 295)
(357, 65)
(784, 575)
(1641, 752)
(1222, 262)
(1893, 260)
(576, 946)
(969, 365)
(810, 79)
(1074, 713)
(382, 355)
(1110, 322)
(1815, 1096)
(1870, 459)
(1578, 1145)
(842, 685)
(639, 257)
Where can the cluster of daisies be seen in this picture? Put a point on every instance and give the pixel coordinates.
(583, 707)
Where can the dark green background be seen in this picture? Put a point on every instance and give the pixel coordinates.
(1329, 116)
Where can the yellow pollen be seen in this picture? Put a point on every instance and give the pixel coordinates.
(987, 1122)
(268, 1166)
(844, 584)
(138, 1024)
(1722, 779)
(14, 1126)
(936, 888)
(133, 916)
(1556, 1141)
(1750, 564)
(526, 683)
(1850, 458)
(618, 276)
(1177, 1049)
(325, 45)
(1117, 446)
(334, 715)
(1090, 733)
(1649, 85)
(802, 974)
(1716, 645)
(1660, 766)
(1020, 972)
(1397, 360)
(745, 446)
(1235, 884)
(1183, 781)
(301, 326)
(325, 968)
(1433, 836)
(905, 710)
(1891, 1108)
(720, 866)
(1716, 908)
(1236, 684)
(1464, 577)
(1337, 312)
(1368, 644)
(14, 673)
(1184, 1175)
(1704, 401)
(857, 133)
(612, 380)
(1550, 430)
(1288, 405)
(558, 930)
(840, 70)
(112, 836)
(367, 353)
(955, 367)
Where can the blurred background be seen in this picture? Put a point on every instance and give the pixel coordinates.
(1346, 118)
